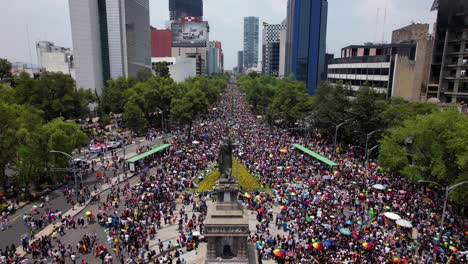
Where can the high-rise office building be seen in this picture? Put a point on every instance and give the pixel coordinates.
(250, 42)
(306, 39)
(448, 79)
(111, 38)
(185, 8)
(271, 48)
(240, 61)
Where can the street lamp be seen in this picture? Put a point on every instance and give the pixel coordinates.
(162, 117)
(338, 127)
(369, 135)
(74, 169)
(448, 189)
(367, 158)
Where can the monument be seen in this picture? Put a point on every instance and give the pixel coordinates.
(227, 223)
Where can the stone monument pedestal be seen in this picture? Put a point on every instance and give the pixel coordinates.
(227, 228)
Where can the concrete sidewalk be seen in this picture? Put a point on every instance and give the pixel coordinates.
(73, 212)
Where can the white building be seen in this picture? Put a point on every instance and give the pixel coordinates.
(183, 69)
(180, 68)
(111, 38)
(54, 58)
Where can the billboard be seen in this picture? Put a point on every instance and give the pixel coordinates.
(189, 34)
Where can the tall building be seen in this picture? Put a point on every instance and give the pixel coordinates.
(185, 8)
(250, 42)
(271, 48)
(306, 39)
(54, 58)
(240, 61)
(111, 38)
(190, 39)
(449, 71)
(160, 43)
(213, 58)
(219, 46)
(282, 53)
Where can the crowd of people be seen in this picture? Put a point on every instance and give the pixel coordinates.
(310, 212)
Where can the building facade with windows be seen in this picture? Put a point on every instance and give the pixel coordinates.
(111, 38)
(250, 42)
(306, 39)
(185, 8)
(240, 61)
(271, 48)
(449, 70)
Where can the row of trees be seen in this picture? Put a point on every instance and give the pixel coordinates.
(416, 139)
(32, 123)
(143, 103)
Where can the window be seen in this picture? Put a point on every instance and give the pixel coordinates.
(354, 52)
(366, 51)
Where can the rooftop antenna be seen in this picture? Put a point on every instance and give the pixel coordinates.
(384, 20)
(376, 25)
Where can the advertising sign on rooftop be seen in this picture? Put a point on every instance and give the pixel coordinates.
(189, 34)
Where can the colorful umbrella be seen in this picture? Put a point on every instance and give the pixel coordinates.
(453, 248)
(367, 245)
(284, 207)
(327, 243)
(345, 231)
(283, 150)
(278, 252)
(317, 245)
(88, 213)
(396, 260)
(308, 219)
(247, 195)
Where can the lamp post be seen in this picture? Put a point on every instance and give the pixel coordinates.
(338, 127)
(447, 190)
(74, 169)
(161, 112)
(368, 136)
(367, 158)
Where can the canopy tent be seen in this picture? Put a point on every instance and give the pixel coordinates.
(147, 153)
(315, 155)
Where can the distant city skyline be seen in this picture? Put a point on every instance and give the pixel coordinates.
(349, 22)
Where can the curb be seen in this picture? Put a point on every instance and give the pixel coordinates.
(22, 254)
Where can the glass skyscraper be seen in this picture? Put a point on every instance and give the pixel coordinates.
(184, 8)
(306, 39)
(250, 42)
(111, 38)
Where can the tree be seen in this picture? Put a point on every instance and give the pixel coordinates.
(291, 102)
(430, 147)
(330, 107)
(55, 94)
(35, 161)
(162, 69)
(144, 74)
(5, 70)
(133, 117)
(112, 98)
(186, 108)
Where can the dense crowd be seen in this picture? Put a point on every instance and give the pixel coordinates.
(312, 213)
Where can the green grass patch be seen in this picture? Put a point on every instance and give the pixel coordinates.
(247, 182)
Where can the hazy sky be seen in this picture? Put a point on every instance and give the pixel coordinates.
(349, 22)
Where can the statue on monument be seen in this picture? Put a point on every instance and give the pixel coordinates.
(225, 159)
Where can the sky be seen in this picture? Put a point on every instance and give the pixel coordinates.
(349, 22)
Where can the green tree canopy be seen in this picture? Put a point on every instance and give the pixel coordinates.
(5, 70)
(429, 147)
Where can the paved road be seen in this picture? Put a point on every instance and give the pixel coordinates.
(57, 200)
